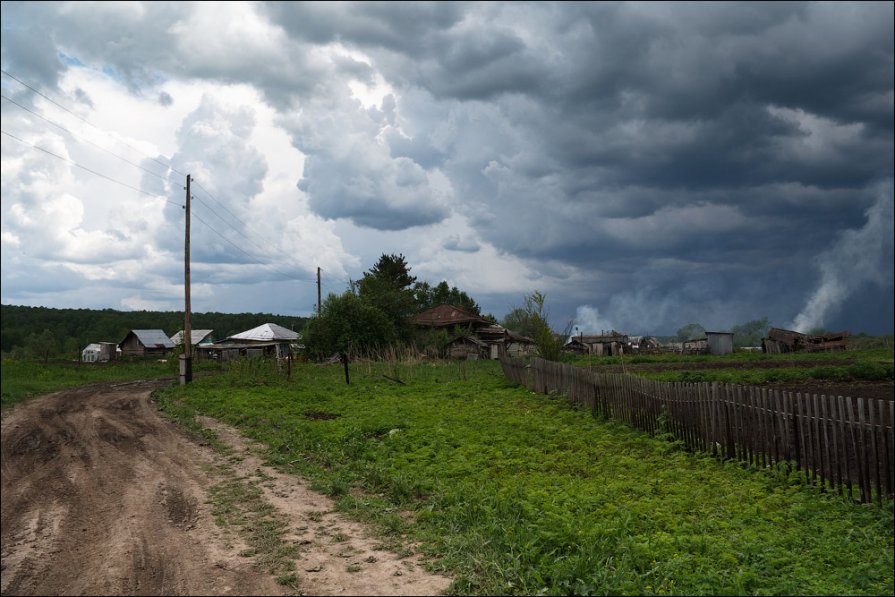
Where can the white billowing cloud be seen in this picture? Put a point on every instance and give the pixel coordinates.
(349, 169)
(589, 321)
(224, 36)
(857, 257)
(249, 211)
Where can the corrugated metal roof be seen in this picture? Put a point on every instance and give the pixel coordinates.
(197, 336)
(267, 332)
(153, 338)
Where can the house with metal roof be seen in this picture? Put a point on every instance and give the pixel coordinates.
(268, 339)
(146, 343)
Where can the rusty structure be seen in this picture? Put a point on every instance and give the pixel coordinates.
(472, 336)
(783, 341)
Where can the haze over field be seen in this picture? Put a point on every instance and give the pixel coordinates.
(645, 165)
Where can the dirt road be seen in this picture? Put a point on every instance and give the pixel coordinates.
(102, 495)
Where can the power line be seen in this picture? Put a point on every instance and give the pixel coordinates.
(73, 163)
(237, 218)
(81, 118)
(109, 151)
(254, 259)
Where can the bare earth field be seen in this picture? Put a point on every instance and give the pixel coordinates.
(103, 496)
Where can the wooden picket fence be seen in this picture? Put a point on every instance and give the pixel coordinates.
(840, 443)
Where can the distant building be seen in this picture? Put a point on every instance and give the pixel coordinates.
(782, 341)
(146, 344)
(90, 354)
(719, 343)
(268, 339)
(480, 337)
(199, 337)
(613, 344)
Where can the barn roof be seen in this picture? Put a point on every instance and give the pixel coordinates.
(266, 332)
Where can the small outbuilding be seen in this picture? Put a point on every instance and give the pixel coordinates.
(719, 343)
(90, 354)
(146, 344)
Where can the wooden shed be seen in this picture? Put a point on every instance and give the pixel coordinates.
(146, 343)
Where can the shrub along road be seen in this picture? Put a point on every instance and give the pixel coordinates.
(101, 495)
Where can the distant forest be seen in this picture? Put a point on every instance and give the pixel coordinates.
(65, 332)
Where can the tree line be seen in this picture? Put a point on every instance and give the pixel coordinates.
(44, 332)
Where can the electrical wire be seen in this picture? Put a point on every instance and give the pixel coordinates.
(74, 163)
(56, 124)
(81, 118)
(254, 259)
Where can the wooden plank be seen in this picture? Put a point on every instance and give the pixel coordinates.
(810, 437)
(872, 418)
(700, 390)
(729, 428)
(886, 445)
(716, 421)
(825, 431)
(786, 428)
(855, 464)
(889, 446)
(798, 438)
(773, 414)
(746, 430)
(761, 420)
(845, 433)
(753, 430)
(862, 450)
(819, 427)
(742, 426)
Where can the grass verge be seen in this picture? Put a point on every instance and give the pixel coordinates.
(514, 493)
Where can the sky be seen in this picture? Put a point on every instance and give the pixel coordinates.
(643, 165)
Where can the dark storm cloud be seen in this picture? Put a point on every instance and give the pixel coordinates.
(686, 159)
(403, 27)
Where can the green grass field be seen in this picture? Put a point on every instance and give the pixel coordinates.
(21, 379)
(511, 492)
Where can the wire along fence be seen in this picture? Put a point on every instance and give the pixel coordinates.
(842, 444)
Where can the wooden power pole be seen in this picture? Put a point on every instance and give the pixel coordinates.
(318, 292)
(186, 363)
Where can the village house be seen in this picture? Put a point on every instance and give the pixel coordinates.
(146, 344)
(268, 339)
(471, 334)
(609, 344)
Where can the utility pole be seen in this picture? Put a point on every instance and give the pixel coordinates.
(186, 360)
(318, 292)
